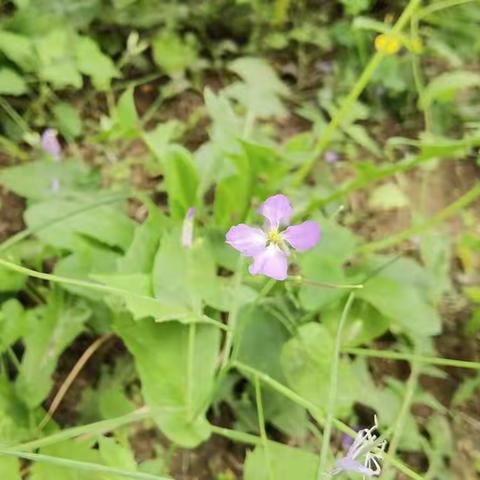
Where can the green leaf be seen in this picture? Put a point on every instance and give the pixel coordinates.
(104, 224)
(12, 323)
(67, 120)
(261, 90)
(57, 61)
(388, 196)
(93, 62)
(400, 292)
(162, 360)
(72, 450)
(51, 329)
(443, 86)
(116, 455)
(173, 53)
(325, 264)
(364, 323)
(15, 419)
(11, 281)
(306, 361)
(19, 49)
(87, 260)
(181, 179)
(11, 83)
(140, 255)
(10, 468)
(138, 298)
(286, 463)
(33, 180)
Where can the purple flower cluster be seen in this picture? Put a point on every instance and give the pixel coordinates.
(270, 247)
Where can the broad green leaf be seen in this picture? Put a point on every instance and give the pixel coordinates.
(10, 468)
(446, 84)
(160, 138)
(51, 329)
(72, 450)
(67, 120)
(12, 323)
(285, 462)
(105, 224)
(11, 83)
(232, 193)
(174, 54)
(259, 339)
(116, 455)
(57, 58)
(258, 342)
(137, 295)
(387, 196)
(325, 263)
(15, 419)
(401, 293)
(33, 180)
(364, 323)
(140, 255)
(11, 281)
(170, 378)
(87, 260)
(261, 90)
(306, 362)
(19, 49)
(181, 179)
(93, 62)
(126, 112)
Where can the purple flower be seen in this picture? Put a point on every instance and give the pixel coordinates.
(269, 247)
(51, 144)
(187, 229)
(331, 156)
(364, 442)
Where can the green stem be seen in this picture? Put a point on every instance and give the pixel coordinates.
(190, 365)
(445, 362)
(356, 91)
(404, 409)
(261, 426)
(435, 7)
(95, 428)
(332, 392)
(306, 281)
(95, 286)
(75, 464)
(440, 217)
(232, 316)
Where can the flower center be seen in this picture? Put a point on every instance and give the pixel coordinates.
(275, 237)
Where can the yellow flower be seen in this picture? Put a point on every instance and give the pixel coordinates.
(388, 44)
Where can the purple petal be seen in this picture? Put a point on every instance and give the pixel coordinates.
(303, 236)
(271, 262)
(50, 143)
(347, 464)
(277, 210)
(247, 240)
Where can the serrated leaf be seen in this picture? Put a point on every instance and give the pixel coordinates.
(19, 49)
(173, 53)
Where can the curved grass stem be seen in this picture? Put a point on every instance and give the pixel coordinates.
(333, 388)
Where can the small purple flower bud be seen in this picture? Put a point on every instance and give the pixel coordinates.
(187, 229)
(51, 144)
(331, 156)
